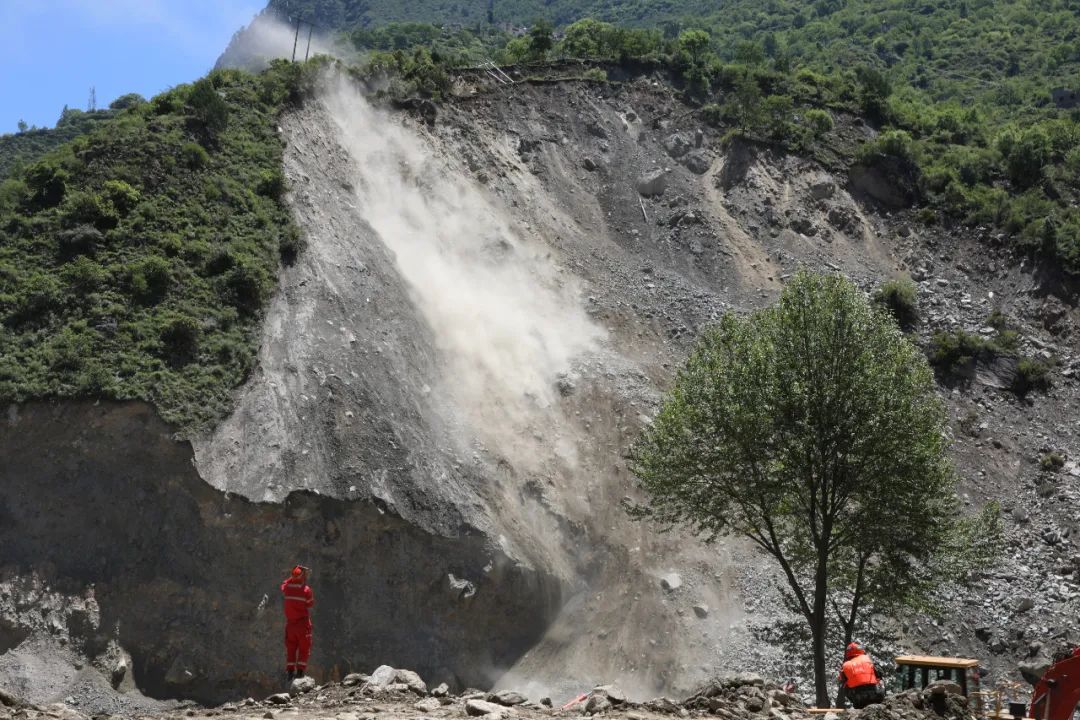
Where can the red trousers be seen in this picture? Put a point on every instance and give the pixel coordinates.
(297, 644)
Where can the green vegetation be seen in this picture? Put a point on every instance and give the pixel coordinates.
(813, 429)
(1052, 462)
(20, 149)
(900, 297)
(956, 354)
(135, 260)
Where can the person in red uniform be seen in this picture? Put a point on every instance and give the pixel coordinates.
(298, 603)
(859, 680)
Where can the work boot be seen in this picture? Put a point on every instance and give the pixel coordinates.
(300, 673)
(288, 677)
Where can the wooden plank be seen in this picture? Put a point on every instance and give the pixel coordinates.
(935, 662)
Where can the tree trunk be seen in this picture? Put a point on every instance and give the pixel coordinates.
(818, 626)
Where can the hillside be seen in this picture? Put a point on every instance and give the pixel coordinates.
(401, 320)
(27, 146)
(136, 259)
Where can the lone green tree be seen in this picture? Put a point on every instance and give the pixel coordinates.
(813, 428)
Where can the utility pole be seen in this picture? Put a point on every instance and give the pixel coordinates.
(295, 38)
(307, 52)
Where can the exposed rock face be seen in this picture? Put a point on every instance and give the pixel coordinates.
(185, 577)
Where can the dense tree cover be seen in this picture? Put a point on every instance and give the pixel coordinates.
(814, 429)
(19, 149)
(135, 260)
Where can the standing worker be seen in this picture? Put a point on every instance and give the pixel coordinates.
(298, 603)
(859, 680)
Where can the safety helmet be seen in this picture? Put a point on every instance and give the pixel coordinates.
(853, 649)
(297, 571)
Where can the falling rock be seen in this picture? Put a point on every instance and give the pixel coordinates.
(441, 690)
(702, 611)
(477, 708)
(653, 183)
(279, 699)
(671, 581)
(509, 698)
(589, 164)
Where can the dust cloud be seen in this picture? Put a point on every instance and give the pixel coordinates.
(507, 319)
(269, 38)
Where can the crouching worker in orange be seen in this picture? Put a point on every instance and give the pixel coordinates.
(859, 680)
(298, 603)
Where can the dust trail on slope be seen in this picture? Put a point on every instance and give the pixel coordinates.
(504, 315)
(269, 38)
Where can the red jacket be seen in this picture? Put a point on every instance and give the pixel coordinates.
(298, 599)
(859, 671)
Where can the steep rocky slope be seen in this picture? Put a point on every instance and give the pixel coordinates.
(487, 310)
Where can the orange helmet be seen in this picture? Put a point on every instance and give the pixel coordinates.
(297, 571)
(853, 649)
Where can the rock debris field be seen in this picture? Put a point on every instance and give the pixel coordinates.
(402, 694)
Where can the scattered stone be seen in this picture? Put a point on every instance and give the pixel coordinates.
(355, 679)
(441, 690)
(413, 680)
(823, 189)
(477, 708)
(428, 705)
(1034, 669)
(614, 693)
(509, 698)
(702, 611)
(268, 715)
(589, 164)
(671, 581)
(279, 699)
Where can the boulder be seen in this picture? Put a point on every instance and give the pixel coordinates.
(1034, 668)
(652, 183)
(702, 611)
(301, 685)
(676, 146)
(279, 699)
(413, 680)
(614, 693)
(663, 705)
(509, 698)
(823, 189)
(476, 708)
(597, 704)
(697, 162)
(671, 581)
(384, 675)
(441, 690)
(588, 163)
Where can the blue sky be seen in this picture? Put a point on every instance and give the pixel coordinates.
(54, 51)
